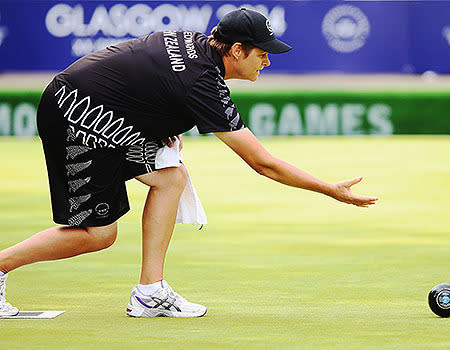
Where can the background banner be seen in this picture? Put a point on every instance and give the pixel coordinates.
(355, 36)
(293, 113)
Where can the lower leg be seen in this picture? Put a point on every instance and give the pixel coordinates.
(157, 227)
(57, 243)
(158, 220)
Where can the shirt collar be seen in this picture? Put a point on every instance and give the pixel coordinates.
(219, 61)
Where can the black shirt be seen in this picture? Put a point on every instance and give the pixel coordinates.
(159, 85)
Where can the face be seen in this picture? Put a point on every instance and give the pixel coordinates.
(248, 67)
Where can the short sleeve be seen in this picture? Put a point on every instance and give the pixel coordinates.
(210, 105)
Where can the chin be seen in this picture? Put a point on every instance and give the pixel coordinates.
(254, 77)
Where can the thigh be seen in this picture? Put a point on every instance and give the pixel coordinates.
(87, 185)
(165, 177)
(107, 231)
(141, 159)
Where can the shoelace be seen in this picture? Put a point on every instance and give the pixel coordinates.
(176, 295)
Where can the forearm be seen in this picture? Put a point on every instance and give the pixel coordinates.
(245, 144)
(288, 174)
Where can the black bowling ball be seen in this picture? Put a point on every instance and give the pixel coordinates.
(439, 299)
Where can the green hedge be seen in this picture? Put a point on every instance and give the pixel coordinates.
(294, 112)
(18, 112)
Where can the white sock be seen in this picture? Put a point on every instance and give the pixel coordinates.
(3, 273)
(149, 289)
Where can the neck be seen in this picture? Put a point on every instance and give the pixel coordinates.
(230, 68)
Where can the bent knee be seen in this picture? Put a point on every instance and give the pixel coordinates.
(173, 178)
(102, 237)
(180, 176)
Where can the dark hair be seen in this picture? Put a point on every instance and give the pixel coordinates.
(224, 49)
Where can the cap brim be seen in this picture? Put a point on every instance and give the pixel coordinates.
(273, 46)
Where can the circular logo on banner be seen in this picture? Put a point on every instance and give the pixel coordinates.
(346, 28)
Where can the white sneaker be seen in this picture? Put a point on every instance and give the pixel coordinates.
(163, 303)
(6, 309)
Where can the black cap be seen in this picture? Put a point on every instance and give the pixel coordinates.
(248, 26)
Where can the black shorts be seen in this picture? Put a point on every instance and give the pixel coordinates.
(87, 180)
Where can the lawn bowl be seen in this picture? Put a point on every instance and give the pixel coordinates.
(439, 299)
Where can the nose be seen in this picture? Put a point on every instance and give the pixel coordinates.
(267, 61)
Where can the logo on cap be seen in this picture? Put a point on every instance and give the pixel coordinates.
(269, 27)
(346, 28)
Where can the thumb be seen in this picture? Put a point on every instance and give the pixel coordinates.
(350, 183)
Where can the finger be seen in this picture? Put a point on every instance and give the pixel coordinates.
(180, 137)
(350, 183)
(366, 203)
(165, 141)
(365, 199)
(363, 205)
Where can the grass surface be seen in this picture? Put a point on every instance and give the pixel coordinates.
(277, 267)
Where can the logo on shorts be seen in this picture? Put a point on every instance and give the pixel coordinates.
(102, 209)
(346, 28)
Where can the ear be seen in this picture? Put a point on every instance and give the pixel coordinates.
(236, 50)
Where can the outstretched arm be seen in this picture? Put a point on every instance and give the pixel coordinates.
(247, 146)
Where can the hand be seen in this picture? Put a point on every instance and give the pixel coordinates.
(341, 191)
(170, 141)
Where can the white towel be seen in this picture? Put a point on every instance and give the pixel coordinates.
(190, 209)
